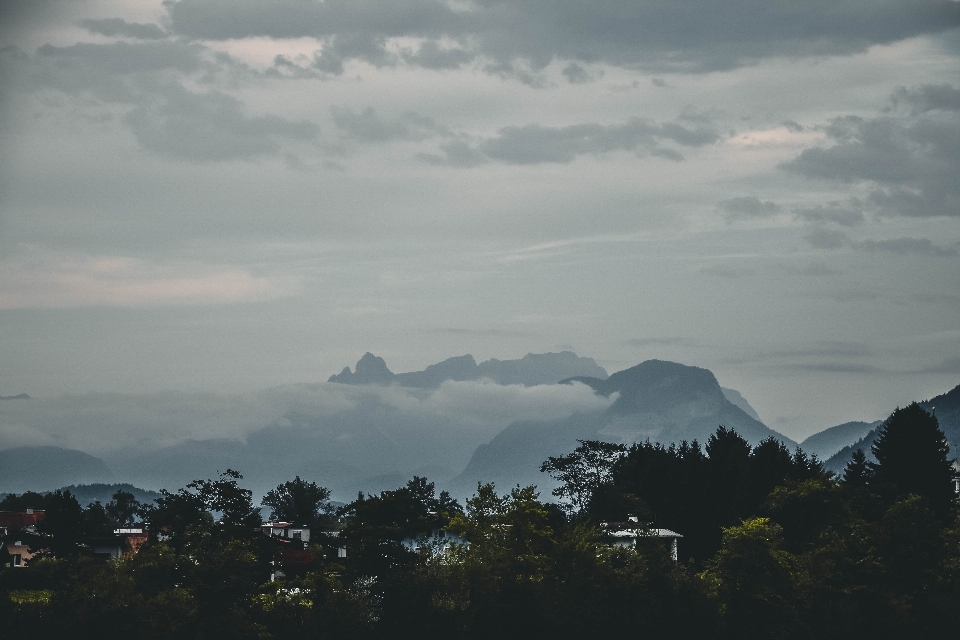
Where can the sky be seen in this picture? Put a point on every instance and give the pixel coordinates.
(224, 196)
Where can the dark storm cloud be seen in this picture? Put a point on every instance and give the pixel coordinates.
(747, 207)
(209, 127)
(697, 35)
(112, 27)
(535, 144)
(368, 126)
(912, 160)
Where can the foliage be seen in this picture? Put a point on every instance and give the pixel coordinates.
(778, 548)
(582, 472)
(300, 502)
(913, 458)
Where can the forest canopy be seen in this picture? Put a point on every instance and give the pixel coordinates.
(772, 546)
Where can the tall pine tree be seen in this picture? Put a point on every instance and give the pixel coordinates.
(913, 458)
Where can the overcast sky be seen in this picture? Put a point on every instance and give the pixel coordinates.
(226, 195)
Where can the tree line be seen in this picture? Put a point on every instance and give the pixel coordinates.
(773, 547)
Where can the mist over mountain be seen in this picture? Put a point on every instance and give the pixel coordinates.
(656, 400)
(828, 442)
(735, 398)
(531, 370)
(348, 437)
(47, 468)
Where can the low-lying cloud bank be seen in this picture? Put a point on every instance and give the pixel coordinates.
(334, 433)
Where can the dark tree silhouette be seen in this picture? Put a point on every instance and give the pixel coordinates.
(582, 472)
(912, 458)
(300, 502)
(123, 508)
(856, 474)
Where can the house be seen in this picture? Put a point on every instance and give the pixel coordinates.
(17, 530)
(20, 521)
(18, 552)
(439, 542)
(287, 531)
(124, 543)
(628, 534)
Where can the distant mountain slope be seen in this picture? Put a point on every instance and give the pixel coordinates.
(530, 370)
(20, 396)
(660, 401)
(46, 468)
(829, 441)
(947, 409)
(89, 493)
(738, 400)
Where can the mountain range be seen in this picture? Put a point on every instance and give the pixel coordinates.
(372, 440)
(655, 400)
(530, 370)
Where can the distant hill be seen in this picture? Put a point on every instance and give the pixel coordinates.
(47, 468)
(734, 397)
(90, 493)
(829, 441)
(21, 396)
(661, 401)
(530, 370)
(947, 409)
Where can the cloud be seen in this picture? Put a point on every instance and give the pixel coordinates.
(926, 98)
(576, 74)
(847, 217)
(906, 246)
(166, 118)
(835, 367)
(37, 280)
(949, 366)
(471, 412)
(694, 36)
(368, 126)
(210, 127)
(792, 126)
(817, 270)
(747, 207)
(496, 333)
(910, 162)
(112, 27)
(727, 271)
(656, 342)
(820, 238)
(830, 348)
(536, 144)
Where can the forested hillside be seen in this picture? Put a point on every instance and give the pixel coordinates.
(771, 546)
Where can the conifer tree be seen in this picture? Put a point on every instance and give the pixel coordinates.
(912, 458)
